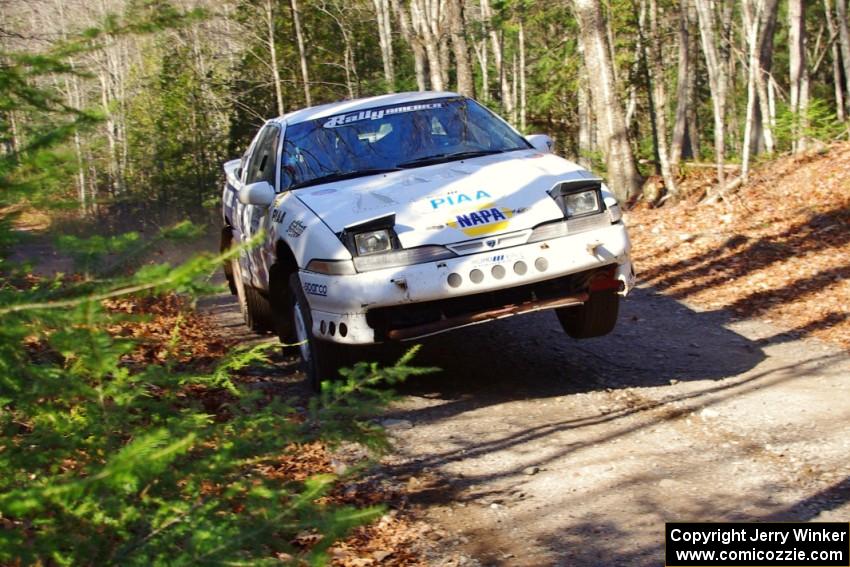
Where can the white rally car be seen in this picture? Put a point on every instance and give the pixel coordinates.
(401, 216)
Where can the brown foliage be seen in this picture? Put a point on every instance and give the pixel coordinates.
(779, 250)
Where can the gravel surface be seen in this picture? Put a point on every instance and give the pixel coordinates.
(530, 448)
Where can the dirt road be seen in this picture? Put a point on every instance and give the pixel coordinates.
(534, 449)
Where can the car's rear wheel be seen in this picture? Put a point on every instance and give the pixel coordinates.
(226, 243)
(320, 360)
(256, 309)
(594, 318)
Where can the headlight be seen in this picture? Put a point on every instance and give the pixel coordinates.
(577, 204)
(372, 242)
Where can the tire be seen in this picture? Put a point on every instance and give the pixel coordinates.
(226, 242)
(320, 360)
(281, 303)
(256, 310)
(595, 318)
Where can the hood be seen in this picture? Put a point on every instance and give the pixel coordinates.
(449, 202)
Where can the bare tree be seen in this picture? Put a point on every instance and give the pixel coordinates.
(717, 77)
(684, 71)
(659, 91)
(302, 50)
(415, 43)
(272, 45)
(798, 70)
(844, 43)
(766, 31)
(836, 61)
(751, 18)
(498, 59)
(622, 170)
(523, 92)
(465, 84)
(385, 39)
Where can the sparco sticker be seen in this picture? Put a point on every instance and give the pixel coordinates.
(343, 119)
(315, 289)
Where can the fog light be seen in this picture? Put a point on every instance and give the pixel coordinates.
(541, 264)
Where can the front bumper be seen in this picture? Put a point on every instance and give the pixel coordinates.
(347, 309)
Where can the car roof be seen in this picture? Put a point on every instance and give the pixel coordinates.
(346, 106)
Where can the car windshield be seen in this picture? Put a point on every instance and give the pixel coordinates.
(384, 139)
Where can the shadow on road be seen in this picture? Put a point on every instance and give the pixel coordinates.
(657, 340)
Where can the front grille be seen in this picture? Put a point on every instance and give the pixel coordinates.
(385, 319)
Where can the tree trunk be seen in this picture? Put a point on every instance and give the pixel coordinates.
(585, 122)
(751, 29)
(798, 70)
(465, 84)
(424, 19)
(844, 43)
(767, 28)
(385, 38)
(278, 89)
(659, 91)
(414, 42)
(481, 55)
(302, 50)
(685, 68)
(496, 44)
(640, 16)
(523, 95)
(717, 81)
(836, 61)
(622, 170)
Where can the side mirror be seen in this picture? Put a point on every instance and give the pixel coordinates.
(541, 142)
(260, 194)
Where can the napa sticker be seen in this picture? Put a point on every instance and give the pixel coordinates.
(344, 119)
(482, 221)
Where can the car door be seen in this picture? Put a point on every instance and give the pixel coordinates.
(262, 165)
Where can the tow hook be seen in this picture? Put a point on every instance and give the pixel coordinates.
(592, 246)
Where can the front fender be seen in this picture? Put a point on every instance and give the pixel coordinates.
(306, 235)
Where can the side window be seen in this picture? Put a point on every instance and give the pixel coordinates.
(263, 161)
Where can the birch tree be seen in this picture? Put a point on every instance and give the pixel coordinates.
(685, 70)
(717, 77)
(385, 40)
(622, 170)
(838, 87)
(659, 91)
(498, 59)
(844, 43)
(465, 83)
(798, 70)
(302, 50)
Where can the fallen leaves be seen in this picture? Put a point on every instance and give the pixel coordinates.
(780, 250)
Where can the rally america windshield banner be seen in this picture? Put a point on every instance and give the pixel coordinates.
(377, 114)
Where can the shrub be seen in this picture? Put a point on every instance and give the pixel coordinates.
(106, 461)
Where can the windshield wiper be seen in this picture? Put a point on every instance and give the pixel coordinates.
(437, 158)
(342, 175)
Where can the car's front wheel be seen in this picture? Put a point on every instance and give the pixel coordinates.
(594, 318)
(320, 360)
